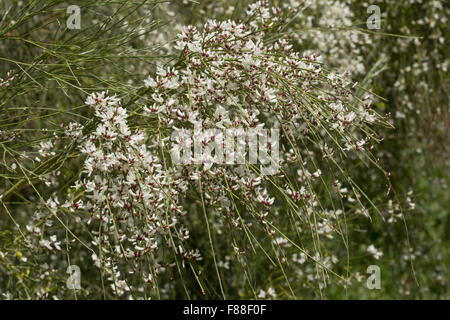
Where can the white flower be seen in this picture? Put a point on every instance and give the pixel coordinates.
(150, 82)
(377, 254)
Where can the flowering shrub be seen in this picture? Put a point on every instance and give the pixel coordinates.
(91, 180)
